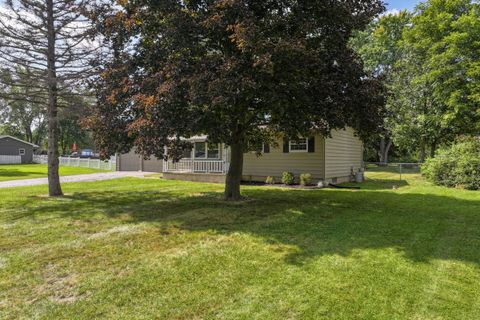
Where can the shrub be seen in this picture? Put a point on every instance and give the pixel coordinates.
(270, 180)
(288, 178)
(456, 166)
(305, 179)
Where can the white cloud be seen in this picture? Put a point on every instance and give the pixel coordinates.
(391, 12)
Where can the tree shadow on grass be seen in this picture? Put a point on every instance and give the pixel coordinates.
(315, 222)
(17, 173)
(380, 184)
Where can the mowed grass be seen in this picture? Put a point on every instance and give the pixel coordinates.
(147, 248)
(31, 171)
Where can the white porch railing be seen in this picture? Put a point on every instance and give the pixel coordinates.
(109, 165)
(4, 159)
(192, 166)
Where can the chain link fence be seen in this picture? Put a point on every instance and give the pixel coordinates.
(399, 170)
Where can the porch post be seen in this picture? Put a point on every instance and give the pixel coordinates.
(192, 159)
(165, 162)
(226, 158)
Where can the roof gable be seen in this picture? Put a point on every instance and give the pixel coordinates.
(19, 140)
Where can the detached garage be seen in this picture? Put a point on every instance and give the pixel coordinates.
(15, 151)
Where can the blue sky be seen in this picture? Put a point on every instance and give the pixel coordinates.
(401, 4)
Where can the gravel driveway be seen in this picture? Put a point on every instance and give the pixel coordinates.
(76, 178)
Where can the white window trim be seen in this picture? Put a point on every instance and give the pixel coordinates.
(190, 156)
(20, 152)
(298, 151)
(219, 151)
(205, 157)
(195, 150)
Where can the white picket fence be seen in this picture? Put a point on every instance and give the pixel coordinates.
(4, 159)
(109, 165)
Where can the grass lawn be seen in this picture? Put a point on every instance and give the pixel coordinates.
(147, 248)
(30, 171)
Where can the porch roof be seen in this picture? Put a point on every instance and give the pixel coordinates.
(199, 138)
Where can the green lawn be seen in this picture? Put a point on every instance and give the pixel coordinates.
(30, 171)
(147, 248)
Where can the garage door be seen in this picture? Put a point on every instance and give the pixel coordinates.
(130, 162)
(133, 162)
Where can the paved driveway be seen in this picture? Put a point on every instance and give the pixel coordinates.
(78, 178)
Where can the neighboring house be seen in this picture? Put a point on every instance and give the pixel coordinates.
(333, 159)
(14, 150)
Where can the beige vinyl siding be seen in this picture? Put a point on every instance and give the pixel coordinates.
(342, 152)
(276, 162)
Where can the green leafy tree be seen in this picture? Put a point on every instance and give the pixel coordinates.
(23, 110)
(70, 129)
(10, 130)
(430, 63)
(381, 51)
(22, 105)
(239, 71)
(443, 43)
(417, 122)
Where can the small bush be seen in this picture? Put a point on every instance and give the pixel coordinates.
(456, 166)
(270, 180)
(305, 179)
(288, 178)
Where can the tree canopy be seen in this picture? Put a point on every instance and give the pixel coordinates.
(18, 107)
(446, 34)
(239, 71)
(431, 61)
(46, 46)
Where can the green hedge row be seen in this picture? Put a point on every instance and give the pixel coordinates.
(456, 166)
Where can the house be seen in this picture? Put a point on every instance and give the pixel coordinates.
(14, 150)
(333, 159)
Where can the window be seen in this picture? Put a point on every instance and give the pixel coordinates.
(299, 145)
(213, 151)
(263, 148)
(21, 152)
(200, 150)
(205, 150)
(187, 153)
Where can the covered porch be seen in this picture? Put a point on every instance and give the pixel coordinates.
(196, 166)
(202, 158)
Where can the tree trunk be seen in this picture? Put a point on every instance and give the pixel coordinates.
(422, 152)
(234, 175)
(28, 134)
(384, 150)
(433, 149)
(54, 188)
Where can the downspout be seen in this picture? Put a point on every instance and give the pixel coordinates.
(324, 158)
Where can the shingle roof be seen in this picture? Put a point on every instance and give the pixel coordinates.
(33, 145)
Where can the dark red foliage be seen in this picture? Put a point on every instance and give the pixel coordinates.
(239, 71)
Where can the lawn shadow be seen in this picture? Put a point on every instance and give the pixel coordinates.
(422, 227)
(380, 184)
(17, 173)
